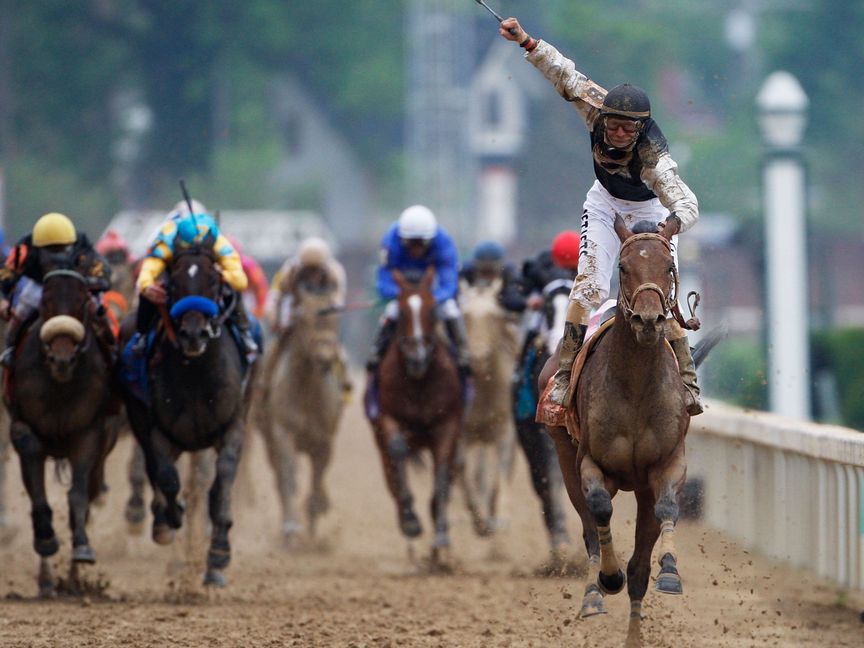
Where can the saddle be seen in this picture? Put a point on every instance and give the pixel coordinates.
(568, 416)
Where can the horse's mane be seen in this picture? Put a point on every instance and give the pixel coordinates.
(645, 227)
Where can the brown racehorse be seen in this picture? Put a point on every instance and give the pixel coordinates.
(629, 407)
(59, 400)
(420, 406)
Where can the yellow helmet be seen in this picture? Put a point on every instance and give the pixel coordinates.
(54, 229)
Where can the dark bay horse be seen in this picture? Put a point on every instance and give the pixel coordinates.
(627, 430)
(420, 407)
(59, 400)
(198, 399)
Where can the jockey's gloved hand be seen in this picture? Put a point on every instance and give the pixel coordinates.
(672, 223)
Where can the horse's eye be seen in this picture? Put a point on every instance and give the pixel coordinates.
(672, 269)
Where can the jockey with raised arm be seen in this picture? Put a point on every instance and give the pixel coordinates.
(412, 244)
(53, 244)
(185, 231)
(636, 179)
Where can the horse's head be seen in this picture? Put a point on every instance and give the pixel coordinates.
(195, 290)
(416, 331)
(316, 326)
(648, 281)
(485, 320)
(65, 312)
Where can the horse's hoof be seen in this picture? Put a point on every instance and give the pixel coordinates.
(410, 525)
(611, 584)
(83, 554)
(46, 547)
(291, 528)
(174, 515)
(483, 528)
(163, 534)
(592, 604)
(135, 512)
(214, 578)
(218, 558)
(47, 590)
(669, 583)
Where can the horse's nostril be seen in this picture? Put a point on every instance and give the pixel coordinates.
(659, 319)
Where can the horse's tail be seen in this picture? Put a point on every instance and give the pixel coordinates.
(711, 339)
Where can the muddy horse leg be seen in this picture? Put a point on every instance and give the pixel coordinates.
(227, 460)
(639, 566)
(666, 483)
(159, 457)
(599, 498)
(546, 479)
(135, 510)
(394, 450)
(86, 485)
(318, 503)
(592, 600)
(445, 439)
(31, 455)
(283, 459)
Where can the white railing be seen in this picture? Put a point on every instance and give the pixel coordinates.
(789, 489)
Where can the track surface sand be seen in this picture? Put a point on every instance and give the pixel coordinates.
(360, 588)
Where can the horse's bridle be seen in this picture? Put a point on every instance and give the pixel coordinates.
(670, 301)
(86, 316)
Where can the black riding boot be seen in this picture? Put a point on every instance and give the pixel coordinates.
(379, 346)
(241, 318)
(145, 318)
(459, 337)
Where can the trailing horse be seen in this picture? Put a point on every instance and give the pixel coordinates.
(419, 406)
(196, 397)
(537, 445)
(59, 398)
(489, 436)
(626, 426)
(304, 404)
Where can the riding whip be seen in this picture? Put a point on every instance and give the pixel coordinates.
(512, 30)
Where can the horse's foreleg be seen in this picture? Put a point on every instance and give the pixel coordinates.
(546, 479)
(86, 484)
(135, 511)
(599, 500)
(31, 454)
(592, 600)
(666, 483)
(283, 459)
(318, 503)
(394, 450)
(227, 460)
(159, 456)
(445, 439)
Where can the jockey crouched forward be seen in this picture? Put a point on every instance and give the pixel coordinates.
(412, 245)
(54, 244)
(312, 269)
(185, 231)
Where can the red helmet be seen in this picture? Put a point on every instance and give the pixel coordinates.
(565, 249)
(110, 242)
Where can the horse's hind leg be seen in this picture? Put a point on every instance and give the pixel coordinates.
(666, 484)
(31, 455)
(639, 566)
(227, 460)
(546, 479)
(394, 450)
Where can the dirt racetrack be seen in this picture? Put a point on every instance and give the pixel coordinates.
(360, 588)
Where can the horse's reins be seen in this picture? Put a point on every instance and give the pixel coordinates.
(670, 301)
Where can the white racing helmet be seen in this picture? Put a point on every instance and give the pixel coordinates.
(182, 207)
(417, 222)
(313, 251)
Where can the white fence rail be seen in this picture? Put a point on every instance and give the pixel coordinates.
(788, 489)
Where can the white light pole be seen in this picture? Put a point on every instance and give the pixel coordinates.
(782, 106)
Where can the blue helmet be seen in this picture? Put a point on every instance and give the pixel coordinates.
(489, 251)
(193, 229)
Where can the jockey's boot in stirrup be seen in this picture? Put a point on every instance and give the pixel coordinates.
(250, 346)
(459, 337)
(687, 369)
(379, 345)
(574, 335)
